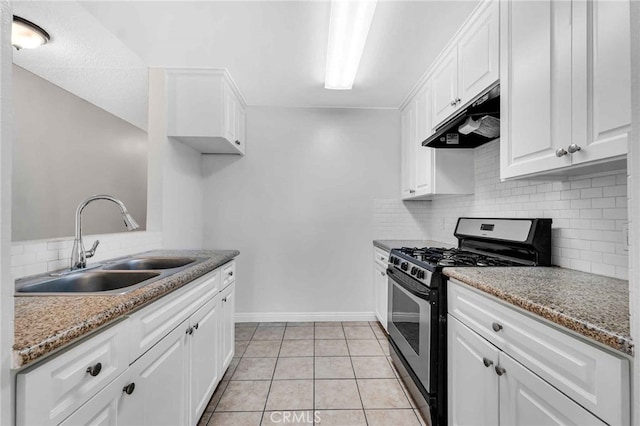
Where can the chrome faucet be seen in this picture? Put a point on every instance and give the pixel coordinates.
(79, 255)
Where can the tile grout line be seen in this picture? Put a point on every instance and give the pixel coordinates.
(355, 379)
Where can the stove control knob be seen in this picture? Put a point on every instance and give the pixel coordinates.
(391, 259)
(404, 266)
(420, 274)
(414, 270)
(396, 260)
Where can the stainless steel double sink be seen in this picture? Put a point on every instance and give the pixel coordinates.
(118, 277)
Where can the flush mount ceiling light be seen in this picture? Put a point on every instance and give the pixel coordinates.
(348, 30)
(27, 35)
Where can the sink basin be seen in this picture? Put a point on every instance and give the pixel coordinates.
(88, 282)
(150, 263)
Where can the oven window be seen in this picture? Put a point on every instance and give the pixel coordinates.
(405, 315)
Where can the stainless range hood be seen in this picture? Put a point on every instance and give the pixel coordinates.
(478, 124)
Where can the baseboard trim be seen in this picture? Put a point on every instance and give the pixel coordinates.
(303, 316)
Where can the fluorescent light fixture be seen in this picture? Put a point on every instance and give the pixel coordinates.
(27, 35)
(348, 30)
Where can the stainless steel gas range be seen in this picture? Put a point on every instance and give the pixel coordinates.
(417, 297)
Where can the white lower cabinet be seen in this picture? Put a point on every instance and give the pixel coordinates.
(204, 366)
(227, 325)
(506, 368)
(488, 387)
(473, 384)
(380, 285)
(170, 383)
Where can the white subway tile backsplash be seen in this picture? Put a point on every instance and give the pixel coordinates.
(588, 212)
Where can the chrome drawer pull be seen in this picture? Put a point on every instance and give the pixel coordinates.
(500, 371)
(487, 362)
(496, 327)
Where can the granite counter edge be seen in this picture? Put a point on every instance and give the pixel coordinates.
(589, 331)
(24, 356)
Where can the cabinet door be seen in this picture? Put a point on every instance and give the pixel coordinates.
(444, 82)
(407, 152)
(472, 382)
(107, 408)
(423, 155)
(229, 113)
(526, 399)
(204, 368)
(478, 54)
(161, 378)
(535, 67)
(241, 119)
(601, 79)
(381, 293)
(227, 324)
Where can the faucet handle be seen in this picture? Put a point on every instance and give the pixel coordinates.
(90, 253)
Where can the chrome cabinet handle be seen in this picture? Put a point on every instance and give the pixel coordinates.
(500, 371)
(412, 191)
(383, 274)
(230, 273)
(224, 300)
(190, 330)
(457, 101)
(195, 327)
(381, 257)
(237, 142)
(453, 103)
(487, 362)
(496, 327)
(95, 369)
(573, 148)
(129, 388)
(561, 152)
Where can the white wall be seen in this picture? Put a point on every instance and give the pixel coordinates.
(65, 150)
(175, 192)
(633, 161)
(7, 400)
(299, 207)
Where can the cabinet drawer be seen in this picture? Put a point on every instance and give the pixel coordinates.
(228, 273)
(596, 379)
(155, 321)
(48, 393)
(380, 256)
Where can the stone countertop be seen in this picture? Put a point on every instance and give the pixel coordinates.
(594, 306)
(391, 244)
(44, 324)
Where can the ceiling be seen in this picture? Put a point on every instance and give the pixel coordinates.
(274, 50)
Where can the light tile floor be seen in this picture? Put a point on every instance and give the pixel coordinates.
(305, 373)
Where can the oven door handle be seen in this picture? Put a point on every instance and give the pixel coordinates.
(418, 290)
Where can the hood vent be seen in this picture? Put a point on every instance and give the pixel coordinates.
(478, 124)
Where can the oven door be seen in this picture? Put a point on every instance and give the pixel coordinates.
(409, 322)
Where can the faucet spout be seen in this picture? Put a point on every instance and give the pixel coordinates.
(78, 254)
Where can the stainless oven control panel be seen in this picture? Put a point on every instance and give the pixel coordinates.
(411, 269)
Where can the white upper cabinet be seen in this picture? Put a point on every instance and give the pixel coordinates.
(601, 79)
(479, 54)
(469, 65)
(407, 152)
(206, 111)
(565, 86)
(427, 172)
(445, 87)
(423, 156)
